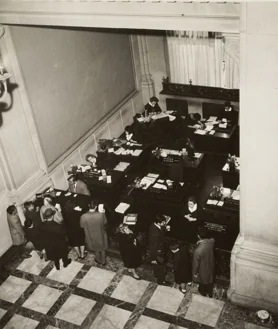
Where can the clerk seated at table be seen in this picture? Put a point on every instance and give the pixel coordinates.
(152, 106)
(77, 186)
(193, 120)
(129, 134)
(92, 159)
(230, 114)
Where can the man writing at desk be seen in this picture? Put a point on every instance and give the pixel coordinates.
(77, 186)
(152, 106)
(193, 120)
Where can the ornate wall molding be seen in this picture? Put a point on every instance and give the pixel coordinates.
(232, 46)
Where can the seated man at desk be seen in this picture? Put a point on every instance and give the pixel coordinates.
(92, 159)
(152, 106)
(230, 114)
(193, 120)
(77, 186)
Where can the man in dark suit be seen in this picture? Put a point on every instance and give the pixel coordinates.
(152, 106)
(203, 265)
(77, 186)
(157, 249)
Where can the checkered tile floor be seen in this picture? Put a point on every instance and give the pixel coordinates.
(35, 295)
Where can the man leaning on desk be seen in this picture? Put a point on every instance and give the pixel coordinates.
(152, 106)
(77, 186)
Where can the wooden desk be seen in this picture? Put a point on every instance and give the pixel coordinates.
(219, 142)
(230, 179)
(223, 221)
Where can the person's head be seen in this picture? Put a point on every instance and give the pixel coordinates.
(92, 159)
(93, 205)
(28, 223)
(197, 116)
(29, 205)
(11, 210)
(47, 201)
(48, 214)
(174, 247)
(72, 179)
(227, 105)
(154, 100)
(128, 130)
(160, 220)
(202, 233)
(191, 201)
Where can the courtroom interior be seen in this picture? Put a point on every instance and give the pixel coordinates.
(138, 172)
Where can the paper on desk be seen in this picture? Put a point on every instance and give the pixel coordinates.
(238, 188)
(214, 202)
(58, 193)
(209, 128)
(122, 207)
(111, 150)
(200, 132)
(160, 181)
(160, 186)
(78, 208)
(236, 195)
(171, 117)
(119, 151)
(226, 167)
(212, 118)
(152, 175)
(226, 192)
(175, 152)
(220, 203)
(222, 125)
(197, 155)
(212, 132)
(146, 182)
(109, 179)
(121, 166)
(137, 152)
(68, 194)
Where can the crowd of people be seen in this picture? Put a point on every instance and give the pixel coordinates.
(45, 229)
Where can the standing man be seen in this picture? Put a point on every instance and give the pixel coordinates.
(157, 248)
(203, 266)
(152, 106)
(77, 186)
(96, 239)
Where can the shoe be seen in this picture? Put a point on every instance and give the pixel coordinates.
(68, 262)
(136, 278)
(164, 283)
(183, 291)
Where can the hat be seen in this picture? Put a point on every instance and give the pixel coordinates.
(48, 213)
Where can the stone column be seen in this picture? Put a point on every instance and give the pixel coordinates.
(254, 261)
(147, 82)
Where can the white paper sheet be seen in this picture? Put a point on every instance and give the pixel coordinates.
(137, 152)
(58, 193)
(212, 119)
(200, 132)
(122, 207)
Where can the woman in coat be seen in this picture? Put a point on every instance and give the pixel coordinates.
(56, 244)
(33, 234)
(129, 250)
(182, 266)
(191, 214)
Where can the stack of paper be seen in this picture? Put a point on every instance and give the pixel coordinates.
(146, 182)
(175, 152)
(121, 166)
(200, 132)
(209, 128)
(122, 207)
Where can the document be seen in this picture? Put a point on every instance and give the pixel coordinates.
(122, 207)
(109, 179)
(213, 202)
(160, 186)
(236, 195)
(137, 152)
(223, 125)
(153, 175)
(121, 166)
(146, 182)
(212, 118)
(209, 128)
(130, 219)
(119, 151)
(212, 132)
(200, 132)
(68, 194)
(111, 150)
(78, 208)
(220, 203)
(58, 193)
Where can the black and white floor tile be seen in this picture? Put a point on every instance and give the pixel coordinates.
(33, 294)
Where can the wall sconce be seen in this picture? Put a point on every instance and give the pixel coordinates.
(3, 76)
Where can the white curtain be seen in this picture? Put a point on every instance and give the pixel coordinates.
(196, 57)
(231, 72)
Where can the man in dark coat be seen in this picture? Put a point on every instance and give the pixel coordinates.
(182, 266)
(157, 249)
(56, 244)
(152, 106)
(203, 266)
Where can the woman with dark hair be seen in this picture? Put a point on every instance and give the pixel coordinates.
(92, 159)
(129, 134)
(152, 106)
(129, 250)
(193, 120)
(191, 213)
